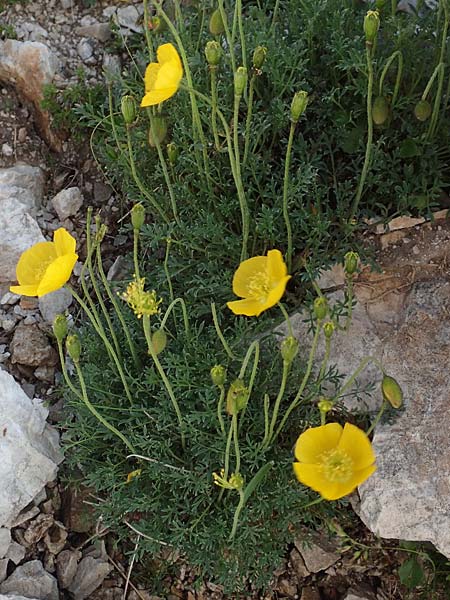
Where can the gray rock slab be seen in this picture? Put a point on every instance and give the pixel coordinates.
(29, 448)
(32, 581)
(5, 541)
(67, 202)
(317, 551)
(15, 597)
(54, 304)
(89, 576)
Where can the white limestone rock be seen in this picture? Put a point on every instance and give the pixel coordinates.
(32, 581)
(67, 202)
(29, 448)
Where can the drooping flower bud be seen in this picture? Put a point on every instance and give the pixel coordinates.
(240, 81)
(216, 25)
(422, 110)
(289, 349)
(259, 57)
(173, 153)
(128, 108)
(298, 106)
(73, 347)
(351, 262)
(159, 340)
(218, 375)
(328, 329)
(320, 307)
(137, 216)
(237, 397)
(157, 132)
(380, 110)
(392, 392)
(60, 327)
(213, 53)
(371, 25)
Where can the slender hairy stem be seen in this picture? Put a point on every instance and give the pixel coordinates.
(366, 164)
(111, 118)
(219, 331)
(236, 443)
(241, 32)
(362, 365)
(139, 183)
(377, 418)
(166, 269)
(254, 347)
(266, 419)
(326, 358)
(159, 368)
(275, 14)
(393, 7)
(227, 35)
(147, 32)
(62, 360)
(285, 196)
(95, 412)
(243, 205)
(248, 120)
(399, 56)
(213, 73)
(226, 467)
(185, 315)
(237, 514)
(220, 409)
(287, 319)
(276, 407)
(137, 273)
(437, 99)
(349, 302)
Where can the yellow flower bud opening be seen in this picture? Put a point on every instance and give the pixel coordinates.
(73, 347)
(128, 108)
(237, 397)
(60, 327)
(137, 216)
(218, 375)
(162, 79)
(371, 25)
(213, 53)
(351, 260)
(320, 307)
(298, 106)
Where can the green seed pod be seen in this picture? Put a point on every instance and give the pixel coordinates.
(298, 106)
(213, 53)
(159, 340)
(137, 216)
(422, 110)
(128, 108)
(73, 347)
(173, 153)
(320, 307)
(392, 392)
(380, 110)
(237, 397)
(158, 132)
(218, 375)
(371, 25)
(259, 57)
(60, 327)
(289, 349)
(328, 329)
(351, 262)
(216, 25)
(240, 81)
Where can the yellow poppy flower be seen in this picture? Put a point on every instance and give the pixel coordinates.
(333, 461)
(46, 266)
(162, 79)
(261, 282)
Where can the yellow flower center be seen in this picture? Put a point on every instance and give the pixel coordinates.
(42, 267)
(337, 465)
(259, 287)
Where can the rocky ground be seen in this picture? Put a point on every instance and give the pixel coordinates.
(50, 548)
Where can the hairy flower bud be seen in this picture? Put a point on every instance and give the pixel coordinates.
(320, 307)
(213, 53)
(237, 397)
(137, 216)
(328, 329)
(371, 25)
(173, 153)
(128, 108)
(157, 131)
(73, 347)
(259, 57)
(298, 106)
(325, 405)
(240, 81)
(392, 392)
(159, 340)
(380, 110)
(216, 25)
(60, 327)
(422, 110)
(218, 375)
(351, 262)
(289, 349)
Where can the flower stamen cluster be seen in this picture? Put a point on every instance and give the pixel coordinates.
(139, 300)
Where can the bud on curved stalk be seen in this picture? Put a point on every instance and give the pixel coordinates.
(157, 131)
(392, 392)
(156, 25)
(213, 53)
(351, 260)
(128, 108)
(328, 329)
(173, 153)
(371, 25)
(289, 349)
(259, 57)
(237, 397)
(320, 307)
(60, 327)
(159, 340)
(216, 24)
(422, 110)
(137, 216)
(240, 81)
(380, 110)
(73, 347)
(298, 106)
(218, 375)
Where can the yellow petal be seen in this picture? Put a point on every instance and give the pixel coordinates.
(151, 73)
(249, 308)
(312, 476)
(277, 292)
(246, 270)
(356, 444)
(64, 242)
(57, 274)
(24, 290)
(156, 96)
(168, 53)
(276, 266)
(33, 262)
(334, 491)
(316, 440)
(168, 75)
